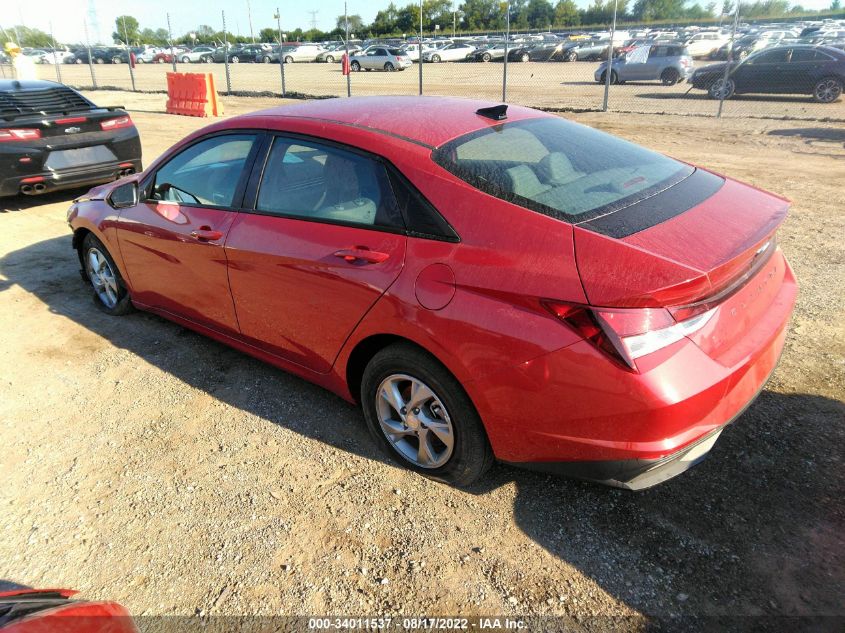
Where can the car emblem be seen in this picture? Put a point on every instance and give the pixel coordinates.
(72, 130)
(762, 249)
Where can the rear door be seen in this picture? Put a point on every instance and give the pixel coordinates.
(324, 241)
(172, 241)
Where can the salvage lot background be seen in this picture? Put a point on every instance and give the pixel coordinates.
(146, 464)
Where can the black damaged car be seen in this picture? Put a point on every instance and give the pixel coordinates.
(51, 138)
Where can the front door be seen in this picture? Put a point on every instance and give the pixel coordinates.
(323, 244)
(172, 241)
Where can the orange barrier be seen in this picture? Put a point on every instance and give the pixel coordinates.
(192, 94)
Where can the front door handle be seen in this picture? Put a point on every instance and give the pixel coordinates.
(206, 234)
(361, 253)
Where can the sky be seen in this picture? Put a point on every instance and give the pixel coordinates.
(67, 16)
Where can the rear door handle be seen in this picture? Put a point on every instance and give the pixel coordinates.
(206, 234)
(361, 253)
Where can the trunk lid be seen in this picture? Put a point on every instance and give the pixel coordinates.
(689, 257)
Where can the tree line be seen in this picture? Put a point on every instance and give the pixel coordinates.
(439, 15)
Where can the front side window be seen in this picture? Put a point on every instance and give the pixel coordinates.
(568, 171)
(206, 173)
(312, 181)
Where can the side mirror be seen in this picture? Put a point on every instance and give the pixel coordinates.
(124, 196)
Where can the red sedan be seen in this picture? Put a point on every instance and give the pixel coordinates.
(488, 282)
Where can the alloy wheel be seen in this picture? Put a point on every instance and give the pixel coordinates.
(415, 421)
(102, 277)
(827, 90)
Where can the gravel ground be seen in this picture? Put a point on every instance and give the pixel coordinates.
(145, 464)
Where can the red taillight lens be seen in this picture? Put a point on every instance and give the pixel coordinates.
(11, 135)
(626, 334)
(116, 124)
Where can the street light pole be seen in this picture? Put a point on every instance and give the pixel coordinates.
(505, 60)
(348, 68)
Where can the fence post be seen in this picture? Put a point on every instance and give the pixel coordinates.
(226, 56)
(607, 72)
(347, 67)
(278, 17)
(728, 62)
(88, 48)
(128, 54)
(419, 47)
(170, 39)
(55, 60)
(505, 60)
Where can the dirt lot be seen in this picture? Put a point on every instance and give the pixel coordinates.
(146, 464)
(539, 84)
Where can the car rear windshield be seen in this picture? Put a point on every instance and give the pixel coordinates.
(394, 51)
(565, 170)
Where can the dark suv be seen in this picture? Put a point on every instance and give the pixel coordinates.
(51, 137)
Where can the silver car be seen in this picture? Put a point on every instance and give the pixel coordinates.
(380, 58)
(668, 63)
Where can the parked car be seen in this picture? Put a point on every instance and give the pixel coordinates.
(300, 53)
(455, 279)
(58, 56)
(585, 50)
(164, 57)
(493, 52)
(813, 70)
(198, 54)
(380, 58)
(456, 51)
(411, 51)
(35, 54)
(51, 137)
(103, 55)
(146, 56)
(537, 52)
(668, 63)
(336, 54)
(705, 43)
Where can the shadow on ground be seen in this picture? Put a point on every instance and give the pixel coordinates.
(756, 529)
(22, 203)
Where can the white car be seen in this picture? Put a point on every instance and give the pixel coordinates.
(301, 53)
(147, 56)
(449, 53)
(198, 54)
(56, 57)
(705, 43)
(412, 51)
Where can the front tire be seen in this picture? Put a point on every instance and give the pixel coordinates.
(614, 79)
(329, 59)
(235, 59)
(110, 293)
(420, 415)
(571, 56)
(288, 59)
(355, 66)
(827, 90)
(435, 58)
(186, 60)
(721, 89)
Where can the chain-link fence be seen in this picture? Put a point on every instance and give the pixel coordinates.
(734, 71)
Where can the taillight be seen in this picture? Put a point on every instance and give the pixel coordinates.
(626, 334)
(116, 124)
(19, 134)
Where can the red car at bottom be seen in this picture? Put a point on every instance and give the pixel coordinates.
(53, 611)
(487, 282)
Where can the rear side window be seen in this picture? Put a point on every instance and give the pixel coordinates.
(556, 167)
(316, 182)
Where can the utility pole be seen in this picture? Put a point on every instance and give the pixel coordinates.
(249, 17)
(278, 17)
(88, 46)
(348, 69)
(128, 53)
(226, 55)
(728, 62)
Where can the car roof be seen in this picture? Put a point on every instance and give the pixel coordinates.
(424, 120)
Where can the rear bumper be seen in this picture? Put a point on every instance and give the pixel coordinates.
(572, 412)
(69, 178)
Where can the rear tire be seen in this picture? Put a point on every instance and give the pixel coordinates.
(486, 57)
(463, 454)
(670, 77)
(525, 57)
(571, 56)
(389, 67)
(109, 290)
(614, 78)
(235, 59)
(435, 58)
(186, 60)
(288, 59)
